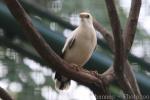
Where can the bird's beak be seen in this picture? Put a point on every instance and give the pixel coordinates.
(84, 15)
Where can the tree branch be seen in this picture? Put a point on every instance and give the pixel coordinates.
(119, 48)
(131, 24)
(133, 16)
(106, 34)
(128, 36)
(4, 95)
(131, 77)
(94, 82)
(128, 70)
(109, 75)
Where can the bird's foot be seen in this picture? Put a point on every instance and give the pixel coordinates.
(76, 67)
(95, 73)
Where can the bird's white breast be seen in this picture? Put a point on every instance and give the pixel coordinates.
(85, 42)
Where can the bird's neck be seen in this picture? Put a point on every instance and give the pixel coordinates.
(87, 30)
(85, 24)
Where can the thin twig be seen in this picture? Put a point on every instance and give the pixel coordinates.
(51, 58)
(119, 48)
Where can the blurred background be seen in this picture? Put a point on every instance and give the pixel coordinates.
(26, 76)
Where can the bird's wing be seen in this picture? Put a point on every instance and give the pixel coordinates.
(68, 45)
(95, 48)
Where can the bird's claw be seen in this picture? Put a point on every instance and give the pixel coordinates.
(76, 67)
(95, 73)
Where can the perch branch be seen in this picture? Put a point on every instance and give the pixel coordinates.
(4, 95)
(94, 82)
(119, 48)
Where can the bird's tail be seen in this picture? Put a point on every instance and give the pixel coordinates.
(61, 83)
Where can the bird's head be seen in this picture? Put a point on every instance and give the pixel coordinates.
(86, 18)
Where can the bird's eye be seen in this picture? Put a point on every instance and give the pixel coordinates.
(87, 16)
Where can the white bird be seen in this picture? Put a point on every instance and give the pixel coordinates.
(78, 47)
